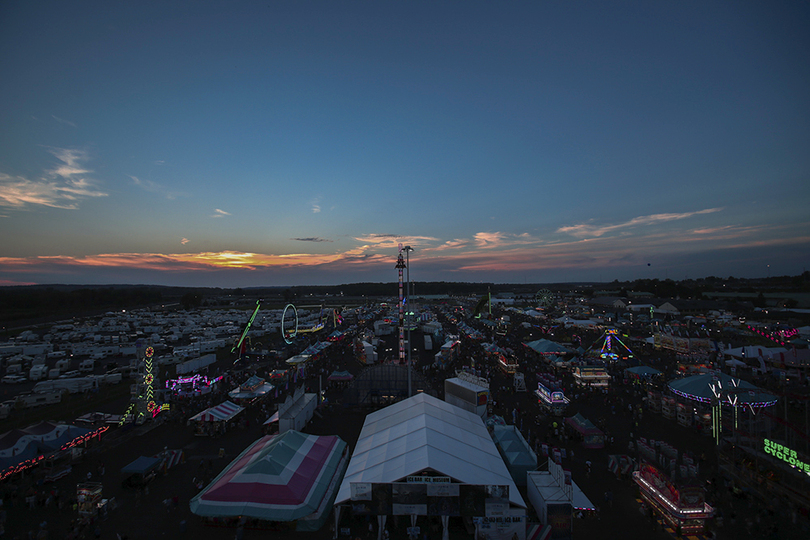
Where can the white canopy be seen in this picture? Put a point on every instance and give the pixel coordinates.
(423, 432)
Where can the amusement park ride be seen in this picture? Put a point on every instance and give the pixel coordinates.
(144, 403)
(612, 348)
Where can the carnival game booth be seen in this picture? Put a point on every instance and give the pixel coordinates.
(555, 497)
(290, 478)
(592, 436)
(215, 419)
(432, 461)
(683, 507)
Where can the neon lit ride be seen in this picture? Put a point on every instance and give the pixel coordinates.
(551, 399)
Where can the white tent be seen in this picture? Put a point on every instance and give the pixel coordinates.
(423, 432)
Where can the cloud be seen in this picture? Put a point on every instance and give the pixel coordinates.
(588, 230)
(63, 121)
(64, 186)
(316, 209)
(71, 159)
(154, 187)
(392, 241)
(488, 240)
(220, 213)
(451, 244)
(184, 241)
(311, 239)
(19, 192)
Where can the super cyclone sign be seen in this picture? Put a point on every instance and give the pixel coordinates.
(787, 455)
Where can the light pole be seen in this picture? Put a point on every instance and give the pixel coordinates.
(407, 250)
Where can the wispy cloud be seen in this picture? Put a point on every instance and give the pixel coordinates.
(154, 187)
(392, 241)
(311, 239)
(488, 239)
(456, 243)
(585, 230)
(316, 205)
(64, 186)
(63, 121)
(184, 241)
(71, 159)
(220, 213)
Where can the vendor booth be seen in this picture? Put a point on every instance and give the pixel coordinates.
(592, 436)
(88, 497)
(215, 419)
(591, 376)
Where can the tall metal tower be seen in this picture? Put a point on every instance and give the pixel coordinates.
(400, 266)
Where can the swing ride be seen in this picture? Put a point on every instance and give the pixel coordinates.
(612, 347)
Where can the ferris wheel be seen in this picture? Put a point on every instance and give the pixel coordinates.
(544, 297)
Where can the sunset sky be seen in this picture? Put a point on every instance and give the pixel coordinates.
(236, 144)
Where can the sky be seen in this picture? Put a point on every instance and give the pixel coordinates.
(238, 144)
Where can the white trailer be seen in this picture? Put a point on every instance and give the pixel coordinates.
(87, 366)
(196, 364)
(37, 372)
(73, 386)
(38, 400)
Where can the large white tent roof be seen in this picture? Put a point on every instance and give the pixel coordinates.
(423, 432)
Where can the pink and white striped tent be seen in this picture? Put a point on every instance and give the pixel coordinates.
(219, 413)
(289, 477)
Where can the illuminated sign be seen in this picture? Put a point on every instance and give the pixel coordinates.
(787, 455)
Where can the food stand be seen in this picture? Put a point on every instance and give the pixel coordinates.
(88, 497)
(591, 376)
